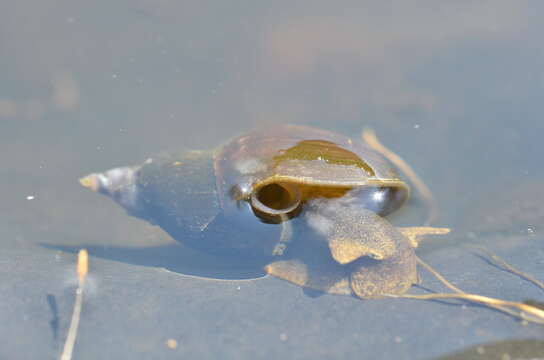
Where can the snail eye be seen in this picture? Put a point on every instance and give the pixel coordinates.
(276, 202)
(242, 189)
(381, 200)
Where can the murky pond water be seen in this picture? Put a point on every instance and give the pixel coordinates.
(453, 88)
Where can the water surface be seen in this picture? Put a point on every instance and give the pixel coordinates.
(455, 88)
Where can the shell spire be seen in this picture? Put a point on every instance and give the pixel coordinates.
(120, 184)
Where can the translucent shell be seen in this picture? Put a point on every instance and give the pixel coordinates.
(280, 168)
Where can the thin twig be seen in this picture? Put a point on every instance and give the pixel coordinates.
(455, 289)
(526, 312)
(82, 269)
(505, 265)
(535, 315)
(438, 276)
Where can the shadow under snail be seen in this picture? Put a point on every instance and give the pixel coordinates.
(308, 202)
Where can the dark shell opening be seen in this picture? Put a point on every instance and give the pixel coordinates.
(276, 202)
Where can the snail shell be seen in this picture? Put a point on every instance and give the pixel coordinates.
(229, 201)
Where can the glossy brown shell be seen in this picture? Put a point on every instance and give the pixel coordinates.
(300, 155)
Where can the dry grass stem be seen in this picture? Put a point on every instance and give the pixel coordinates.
(516, 309)
(500, 262)
(526, 312)
(82, 269)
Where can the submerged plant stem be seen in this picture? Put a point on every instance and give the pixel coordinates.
(82, 269)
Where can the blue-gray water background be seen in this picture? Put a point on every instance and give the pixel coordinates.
(456, 88)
